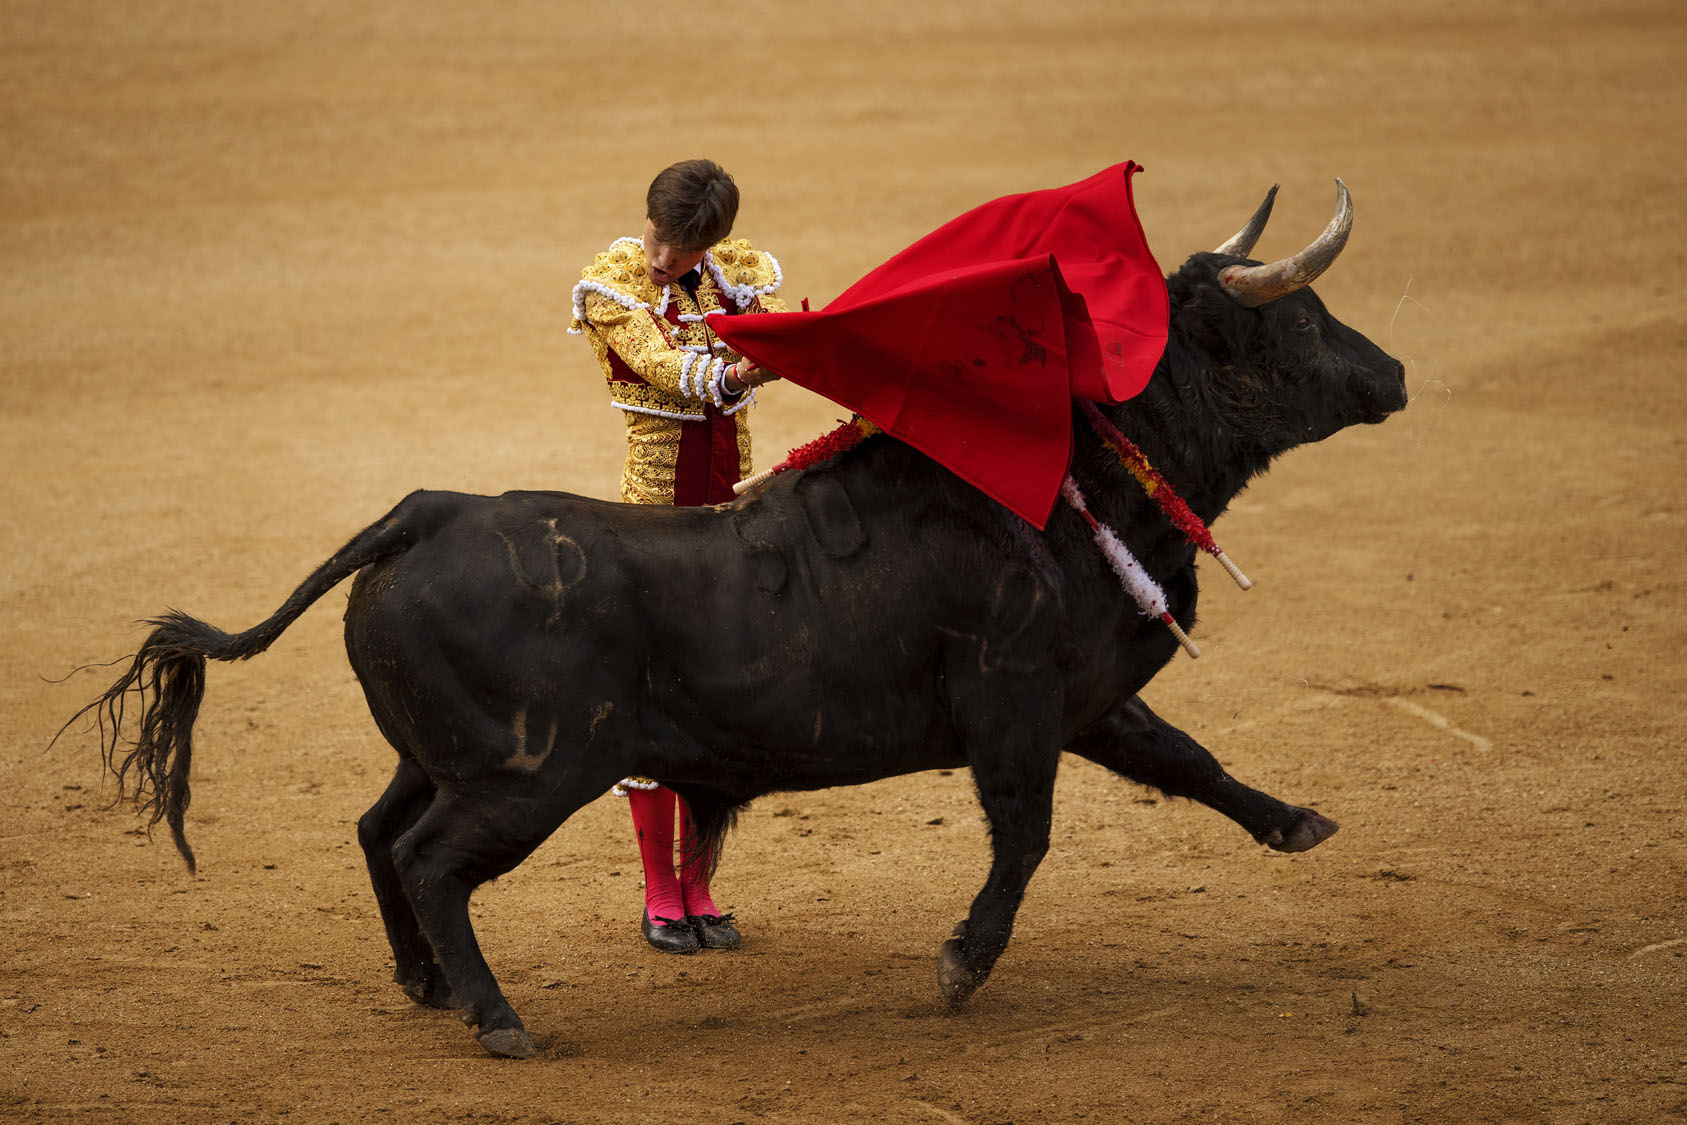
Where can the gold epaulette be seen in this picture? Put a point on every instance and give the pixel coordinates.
(743, 272)
(618, 273)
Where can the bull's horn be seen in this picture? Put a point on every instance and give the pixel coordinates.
(1241, 244)
(1253, 286)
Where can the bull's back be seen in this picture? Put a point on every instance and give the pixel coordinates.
(801, 620)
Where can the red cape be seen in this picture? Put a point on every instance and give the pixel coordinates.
(971, 344)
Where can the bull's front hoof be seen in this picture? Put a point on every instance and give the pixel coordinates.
(1307, 832)
(507, 1043)
(953, 977)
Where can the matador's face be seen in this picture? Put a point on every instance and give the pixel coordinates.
(665, 262)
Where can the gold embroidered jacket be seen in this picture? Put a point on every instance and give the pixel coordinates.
(688, 441)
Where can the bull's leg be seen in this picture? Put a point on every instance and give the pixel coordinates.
(1137, 743)
(1016, 788)
(406, 798)
(458, 844)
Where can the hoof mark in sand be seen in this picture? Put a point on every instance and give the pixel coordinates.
(1076, 1027)
(828, 1009)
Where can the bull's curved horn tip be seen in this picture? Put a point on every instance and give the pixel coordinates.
(1253, 286)
(1241, 244)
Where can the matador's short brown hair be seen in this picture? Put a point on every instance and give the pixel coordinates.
(692, 204)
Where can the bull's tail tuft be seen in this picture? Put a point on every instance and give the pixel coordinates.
(165, 681)
(712, 817)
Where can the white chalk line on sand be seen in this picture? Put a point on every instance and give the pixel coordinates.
(1321, 698)
(1645, 949)
(1438, 721)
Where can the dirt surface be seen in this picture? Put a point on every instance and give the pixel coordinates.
(267, 268)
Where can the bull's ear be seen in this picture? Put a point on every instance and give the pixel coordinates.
(1253, 286)
(1241, 244)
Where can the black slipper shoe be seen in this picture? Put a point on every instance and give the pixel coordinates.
(671, 935)
(715, 930)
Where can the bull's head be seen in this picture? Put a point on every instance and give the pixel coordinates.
(1286, 371)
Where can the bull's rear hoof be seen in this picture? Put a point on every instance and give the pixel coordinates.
(1307, 832)
(953, 977)
(507, 1043)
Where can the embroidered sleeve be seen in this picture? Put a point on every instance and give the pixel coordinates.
(645, 345)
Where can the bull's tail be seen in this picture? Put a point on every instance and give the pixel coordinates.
(166, 679)
(712, 817)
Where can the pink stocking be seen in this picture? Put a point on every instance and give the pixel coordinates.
(653, 819)
(694, 875)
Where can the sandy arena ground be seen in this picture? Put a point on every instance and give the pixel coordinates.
(269, 267)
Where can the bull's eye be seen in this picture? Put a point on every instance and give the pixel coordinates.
(1303, 323)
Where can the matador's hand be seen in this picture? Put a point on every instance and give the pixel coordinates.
(747, 373)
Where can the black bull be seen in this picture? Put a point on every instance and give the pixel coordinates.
(867, 618)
